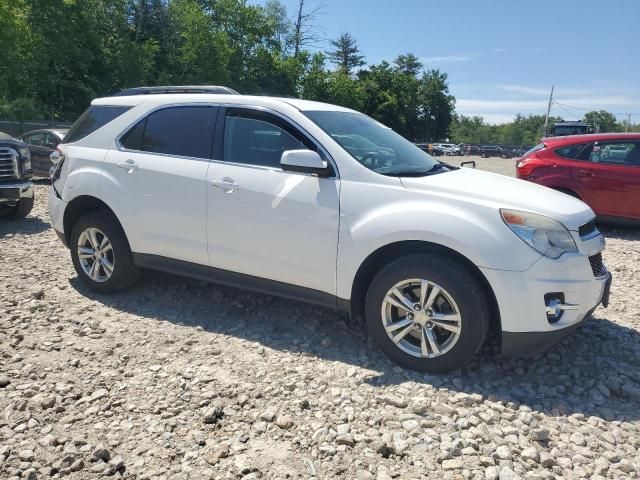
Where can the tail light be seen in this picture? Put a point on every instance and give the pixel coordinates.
(57, 158)
(526, 166)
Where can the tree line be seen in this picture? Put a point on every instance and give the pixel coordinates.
(527, 130)
(57, 55)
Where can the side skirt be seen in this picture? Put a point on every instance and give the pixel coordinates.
(239, 280)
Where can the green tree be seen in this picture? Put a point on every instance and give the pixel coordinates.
(333, 87)
(346, 53)
(437, 105)
(603, 121)
(408, 64)
(64, 53)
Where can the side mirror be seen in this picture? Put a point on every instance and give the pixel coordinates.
(305, 161)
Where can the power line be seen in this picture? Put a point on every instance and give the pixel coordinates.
(564, 109)
(589, 109)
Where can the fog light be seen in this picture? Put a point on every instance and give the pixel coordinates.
(555, 306)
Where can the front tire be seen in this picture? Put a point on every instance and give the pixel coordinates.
(21, 209)
(427, 313)
(101, 254)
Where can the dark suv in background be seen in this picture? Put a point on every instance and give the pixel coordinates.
(16, 189)
(487, 151)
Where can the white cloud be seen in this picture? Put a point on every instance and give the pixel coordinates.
(446, 59)
(468, 104)
(496, 118)
(500, 103)
(616, 102)
(544, 91)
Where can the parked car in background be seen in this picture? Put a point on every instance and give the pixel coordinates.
(603, 170)
(430, 148)
(321, 203)
(41, 144)
(449, 149)
(16, 189)
(487, 151)
(518, 152)
(470, 149)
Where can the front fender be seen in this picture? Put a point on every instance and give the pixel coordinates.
(473, 231)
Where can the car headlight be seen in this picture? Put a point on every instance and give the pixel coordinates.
(543, 234)
(25, 153)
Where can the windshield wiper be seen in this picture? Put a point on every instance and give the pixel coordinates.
(437, 168)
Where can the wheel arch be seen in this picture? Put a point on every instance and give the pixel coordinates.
(390, 252)
(81, 206)
(568, 191)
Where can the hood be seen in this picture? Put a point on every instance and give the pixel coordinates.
(499, 191)
(8, 139)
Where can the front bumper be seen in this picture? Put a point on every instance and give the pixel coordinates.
(14, 192)
(528, 344)
(526, 329)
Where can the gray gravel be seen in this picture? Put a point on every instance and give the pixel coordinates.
(185, 380)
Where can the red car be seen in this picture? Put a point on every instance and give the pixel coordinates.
(603, 170)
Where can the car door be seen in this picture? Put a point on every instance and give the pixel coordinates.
(261, 220)
(156, 177)
(49, 144)
(39, 152)
(610, 179)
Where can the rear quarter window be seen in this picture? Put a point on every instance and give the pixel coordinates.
(93, 118)
(572, 151)
(535, 149)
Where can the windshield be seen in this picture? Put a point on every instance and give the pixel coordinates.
(375, 146)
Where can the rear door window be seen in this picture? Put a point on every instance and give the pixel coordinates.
(180, 131)
(624, 153)
(50, 140)
(93, 118)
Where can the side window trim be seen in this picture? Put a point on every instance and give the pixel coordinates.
(211, 129)
(292, 125)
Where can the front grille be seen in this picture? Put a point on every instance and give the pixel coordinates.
(587, 229)
(8, 164)
(597, 267)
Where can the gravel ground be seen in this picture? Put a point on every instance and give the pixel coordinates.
(185, 380)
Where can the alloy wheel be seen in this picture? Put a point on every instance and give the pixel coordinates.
(95, 254)
(421, 318)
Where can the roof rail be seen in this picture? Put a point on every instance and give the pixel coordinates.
(176, 89)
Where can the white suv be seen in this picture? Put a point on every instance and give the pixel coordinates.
(449, 148)
(320, 203)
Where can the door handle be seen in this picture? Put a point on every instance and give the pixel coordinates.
(227, 184)
(585, 173)
(130, 165)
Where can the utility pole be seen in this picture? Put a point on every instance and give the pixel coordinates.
(546, 118)
(628, 123)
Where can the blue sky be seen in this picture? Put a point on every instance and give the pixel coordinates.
(502, 56)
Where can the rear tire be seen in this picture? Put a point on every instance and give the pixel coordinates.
(22, 209)
(107, 263)
(460, 302)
